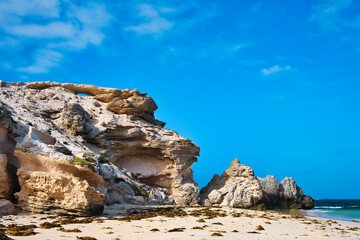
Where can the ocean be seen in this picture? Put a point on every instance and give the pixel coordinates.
(337, 209)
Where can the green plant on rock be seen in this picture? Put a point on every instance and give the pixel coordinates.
(138, 190)
(104, 160)
(88, 157)
(83, 163)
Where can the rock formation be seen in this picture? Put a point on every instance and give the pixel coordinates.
(71, 148)
(238, 187)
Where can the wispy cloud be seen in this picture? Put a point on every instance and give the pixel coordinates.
(221, 49)
(44, 60)
(274, 69)
(52, 26)
(252, 62)
(151, 21)
(51, 29)
(328, 15)
(333, 16)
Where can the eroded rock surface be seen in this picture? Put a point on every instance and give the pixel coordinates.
(71, 153)
(293, 195)
(238, 187)
(5, 180)
(6, 207)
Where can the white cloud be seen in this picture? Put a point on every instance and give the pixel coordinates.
(9, 42)
(44, 60)
(154, 23)
(328, 15)
(20, 8)
(51, 30)
(235, 48)
(54, 25)
(221, 49)
(274, 69)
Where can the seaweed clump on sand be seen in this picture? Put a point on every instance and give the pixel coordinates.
(217, 223)
(86, 238)
(208, 213)
(177, 230)
(216, 234)
(198, 228)
(260, 228)
(48, 225)
(23, 230)
(2, 233)
(69, 230)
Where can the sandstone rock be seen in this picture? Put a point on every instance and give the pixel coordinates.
(51, 186)
(98, 145)
(290, 190)
(294, 196)
(307, 202)
(6, 207)
(72, 119)
(5, 180)
(237, 187)
(271, 190)
(2, 83)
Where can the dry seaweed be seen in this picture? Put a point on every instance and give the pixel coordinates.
(216, 234)
(197, 227)
(260, 228)
(23, 230)
(48, 225)
(177, 230)
(69, 230)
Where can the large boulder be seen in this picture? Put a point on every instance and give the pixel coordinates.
(293, 195)
(6, 208)
(271, 189)
(73, 148)
(238, 187)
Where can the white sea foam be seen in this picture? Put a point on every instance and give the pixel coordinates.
(329, 207)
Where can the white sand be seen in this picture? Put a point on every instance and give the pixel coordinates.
(277, 226)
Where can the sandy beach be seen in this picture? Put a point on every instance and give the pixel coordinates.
(185, 223)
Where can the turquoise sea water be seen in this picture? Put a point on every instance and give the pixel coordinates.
(337, 209)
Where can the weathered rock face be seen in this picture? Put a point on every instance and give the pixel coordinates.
(238, 187)
(293, 195)
(5, 180)
(66, 153)
(271, 189)
(6, 207)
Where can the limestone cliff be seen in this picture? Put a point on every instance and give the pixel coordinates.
(239, 187)
(71, 148)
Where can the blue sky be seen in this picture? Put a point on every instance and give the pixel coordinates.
(273, 83)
